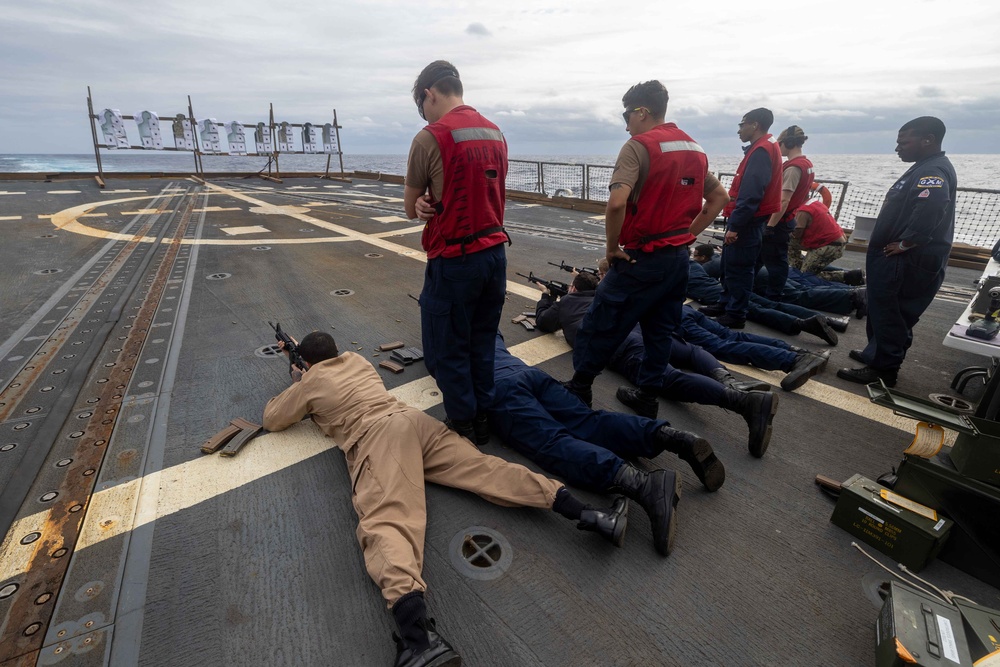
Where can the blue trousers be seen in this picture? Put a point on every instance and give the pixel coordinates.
(460, 309)
(693, 387)
(649, 292)
(900, 288)
(739, 264)
(736, 347)
(783, 317)
(539, 418)
(774, 256)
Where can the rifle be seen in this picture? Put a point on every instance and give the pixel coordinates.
(294, 358)
(578, 269)
(554, 286)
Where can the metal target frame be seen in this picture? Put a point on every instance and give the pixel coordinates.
(323, 138)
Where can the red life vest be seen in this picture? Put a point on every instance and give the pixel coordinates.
(801, 192)
(470, 213)
(823, 230)
(672, 193)
(771, 202)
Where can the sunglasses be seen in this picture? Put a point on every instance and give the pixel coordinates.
(423, 94)
(629, 112)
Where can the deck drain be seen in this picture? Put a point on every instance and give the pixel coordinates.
(218, 276)
(342, 292)
(480, 553)
(268, 351)
(45, 272)
(956, 404)
(261, 247)
(373, 255)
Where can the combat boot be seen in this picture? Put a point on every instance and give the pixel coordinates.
(418, 644)
(658, 492)
(713, 310)
(431, 651)
(854, 277)
(481, 429)
(726, 379)
(608, 523)
(806, 365)
(859, 301)
(838, 324)
(758, 409)
(643, 403)
(582, 391)
(818, 326)
(696, 452)
(463, 427)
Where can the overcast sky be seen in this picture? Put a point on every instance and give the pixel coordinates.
(550, 73)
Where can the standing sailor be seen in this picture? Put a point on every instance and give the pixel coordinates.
(754, 195)
(654, 211)
(455, 181)
(908, 251)
(796, 180)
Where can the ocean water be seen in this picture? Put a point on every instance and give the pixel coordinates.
(871, 172)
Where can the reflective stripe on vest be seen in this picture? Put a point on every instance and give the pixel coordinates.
(476, 134)
(672, 146)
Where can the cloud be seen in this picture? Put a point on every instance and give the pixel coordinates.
(478, 29)
(552, 78)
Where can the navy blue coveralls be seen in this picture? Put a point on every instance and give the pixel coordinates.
(783, 317)
(736, 347)
(739, 259)
(919, 209)
(538, 417)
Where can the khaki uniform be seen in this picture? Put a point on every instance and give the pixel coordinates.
(391, 450)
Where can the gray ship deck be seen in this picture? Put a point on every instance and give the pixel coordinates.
(130, 324)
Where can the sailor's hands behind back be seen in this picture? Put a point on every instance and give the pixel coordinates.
(425, 208)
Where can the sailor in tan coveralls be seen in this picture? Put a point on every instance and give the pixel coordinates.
(391, 450)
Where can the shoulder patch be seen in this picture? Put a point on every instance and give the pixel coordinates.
(930, 182)
(923, 194)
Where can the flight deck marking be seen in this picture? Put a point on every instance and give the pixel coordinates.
(63, 192)
(4, 192)
(216, 209)
(67, 220)
(256, 229)
(390, 218)
(10, 217)
(187, 484)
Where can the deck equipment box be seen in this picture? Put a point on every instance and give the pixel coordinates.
(909, 533)
(974, 544)
(917, 630)
(976, 452)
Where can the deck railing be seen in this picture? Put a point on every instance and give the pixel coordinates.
(977, 215)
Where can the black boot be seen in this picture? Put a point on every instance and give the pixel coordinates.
(859, 300)
(418, 643)
(806, 365)
(726, 379)
(643, 403)
(463, 427)
(658, 493)
(696, 452)
(817, 326)
(757, 408)
(608, 523)
(713, 310)
(854, 277)
(838, 324)
(582, 391)
(481, 429)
